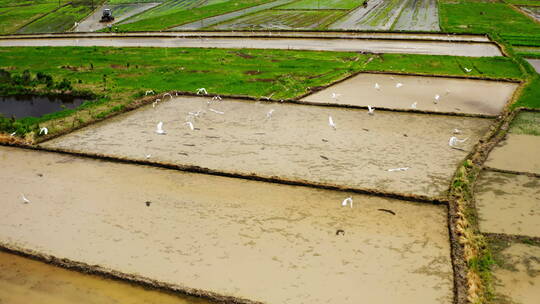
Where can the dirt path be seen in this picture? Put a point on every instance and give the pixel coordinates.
(469, 49)
(120, 12)
(296, 143)
(265, 242)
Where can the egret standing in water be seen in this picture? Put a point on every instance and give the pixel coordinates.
(159, 129)
(347, 201)
(331, 122)
(371, 111)
(24, 199)
(377, 86)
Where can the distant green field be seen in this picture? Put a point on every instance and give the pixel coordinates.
(179, 16)
(4, 3)
(469, 16)
(526, 123)
(12, 18)
(59, 21)
(133, 1)
(323, 4)
(524, 2)
(284, 19)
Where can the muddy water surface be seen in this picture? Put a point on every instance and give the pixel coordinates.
(535, 63)
(24, 281)
(508, 203)
(517, 152)
(296, 143)
(469, 49)
(519, 280)
(254, 240)
(455, 95)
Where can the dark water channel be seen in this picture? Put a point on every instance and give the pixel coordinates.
(35, 106)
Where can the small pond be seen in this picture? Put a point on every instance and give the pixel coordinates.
(35, 106)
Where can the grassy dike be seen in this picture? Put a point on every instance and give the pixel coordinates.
(119, 77)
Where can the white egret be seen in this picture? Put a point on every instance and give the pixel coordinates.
(216, 98)
(377, 86)
(13, 134)
(331, 122)
(269, 114)
(371, 111)
(159, 129)
(398, 169)
(149, 92)
(24, 199)
(216, 111)
(148, 156)
(335, 96)
(399, 85)
(454, 141)
(43, 130)
(167, 94)
(347, 201)
(437, 97)
(468, 70)
(190, 125)
(414, 105)
(202, 91)
(457, 131)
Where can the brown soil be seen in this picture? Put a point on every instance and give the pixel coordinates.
(209, 233)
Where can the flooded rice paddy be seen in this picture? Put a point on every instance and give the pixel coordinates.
(24, 280)
(518, 280)
(418, 15)
(508, 203)
(264, 242)
(517, 152)
(469, 49)
(294, 142)
(401, 92)
(35, 106)
(302, 34)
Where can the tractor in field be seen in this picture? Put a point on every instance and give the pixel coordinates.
(107, 16)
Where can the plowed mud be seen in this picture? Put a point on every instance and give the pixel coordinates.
(246, 239)
(295, 143)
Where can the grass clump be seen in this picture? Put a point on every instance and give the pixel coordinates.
(526, 123)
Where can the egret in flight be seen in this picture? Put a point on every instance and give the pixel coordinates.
(371, 111)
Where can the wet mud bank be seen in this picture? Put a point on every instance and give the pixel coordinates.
(288, 142)
(207, 235)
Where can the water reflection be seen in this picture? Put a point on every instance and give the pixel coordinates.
(36, 106)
